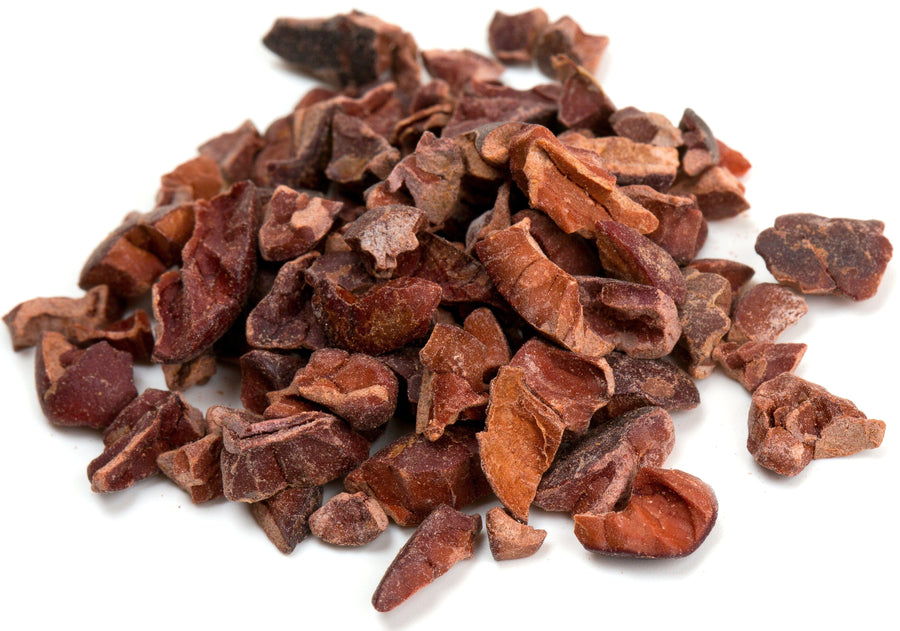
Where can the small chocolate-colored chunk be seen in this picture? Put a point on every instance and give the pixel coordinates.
(263, 372)
(736, 273)
(583, 104)
(682, 229)
(565, 37)
(349, 519)
(360, 156)
(133, 335)
(198, 178)
(631, 162)
(386, 237)
(482, 324)
(457, 67)
(295, 223)
(234, 151)
(648, 127)
(194, 372)
(700, 150)
(753, 363)
(462, 277)
(732, 160)
(641, 382)
(485, 103)
(764, 311)
(510, 539)
(195, 466)
(284, 517)
(704, 320)
(511, 37)
(719, 194)
(572, 252)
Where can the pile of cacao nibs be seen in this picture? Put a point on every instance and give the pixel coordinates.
(439, 288)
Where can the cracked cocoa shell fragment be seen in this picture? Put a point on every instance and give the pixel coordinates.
(133, 334)
(386, 237)
(263, 372)
(195, 466)
(753, 363)
(669, 514)
(349, 519)
(572, 252)
(764, 311)
(284, 517)
(295, 223)
(649, 127)
(583, 104)
(511, 36)
(444, 538)
(821, 255)
(719, 194)
(509, 539)
(704, 320)
(792, 421)
(643, 382)
(632, 163)
(565, 37)
(234, 151)
(682, 229)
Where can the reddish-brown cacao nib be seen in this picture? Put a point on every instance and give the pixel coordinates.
(195, 467)
(444, 538)
(462, 277)
(669, 514)
(155, 422)
(700, 150)
(234, 151)
(565, 37)
(642, 382)
(386, 237)
(295, 223)
(510, 539)
(682, 230)
(753, 363)
(648, 127)
(360, 156)
(486, 103)
(263, 372)
(732, 160)
(511, 37)
(82, 388)
(792, 421)
(764, 311)
(412, 476)
(133, 335)
(457, 67)
(482, 324)
(284, 517)
(594, 473)
(572, 252)
(194, 372)
(349, 519)
(820, 255)
(719, 194)
(736, 273)
(704, 320)
(632, 163)
(198, 178)
(583, 104)
(406, 365)
(197, 305)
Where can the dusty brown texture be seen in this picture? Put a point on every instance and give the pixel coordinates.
(565, 37)
(497, 218)
(284, 517)
(573, 385)
(195, 466)
(349, 519)
(572, 252)
(263, 456)
(484, 103)
(509, 539)
(457, 67)
(234, 151)
(198, 178)
(682, 229)
(153, 423)
(511, 36)
(446, 537)
(196, 305)
(630, 162)
(310, 150)
(27, 320)
(133, 335)
(792, 421)
(492, 141)
(295, 223)
(594, 473)
(461, 277)
(637, 319)
(753, 363)
(642, 382)
(737, 274)
(358, 388)
(732, 160)
(386, 237)
(412, 476)
(719, 194)
(484, 326)
(700, 150)
(360, 156)
(82, 388)
(583, 104)
(764, 311)
(277, 143)
(669, 514)
(819, 255)
(649, 127)
(704, 320)
(628, 255)
(406, 365)
(194, 372)
(542, 293)
(522, 434)
(570, 184)
(263, 372)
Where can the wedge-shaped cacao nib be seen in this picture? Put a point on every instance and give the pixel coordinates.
(732, 160)
(682, 230)
(583, 104)
(195, 467)
(360, 156)
(628, 255)
(82, 388)
(386, 237)
(649, 127)
(642, 382)
(594, 473)
(406, 364)
(358, 388)
(543, 294)
(349, 520)
(485, 103)
(819, 255)
(753, 363)
(764, 311)
(133, 335)
(484, 326)
(573, 385)
(565, 37)
(736, 273)
(669, 514)
(194, 372)
(198, 178)
(792, 421)
(457, 67)
(444, 538)
(719, 194)
(27, 320)
(704, 320)
(155, 422)
(509, 539)
(511, 37)
(413, 475)
(462, 278)
(278, 142)
(197, 305)
(572, 252)
(700, 150)
(284, 517)
(521, 436)
(234, 151)
(295, 223)
(310, 150)
(263, 372)
(630, 162)
(570, 184)
(263, 456)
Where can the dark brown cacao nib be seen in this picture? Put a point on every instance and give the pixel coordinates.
(133, 335)
(194, 372)
(642, 382)
(284, 517)
(682, 230)
(753, 363)
(511, 37)
(234, 151)
(263, 372)
(349, 520)
(704, 320)
(195, 467)
(295, 223)
(565, 37)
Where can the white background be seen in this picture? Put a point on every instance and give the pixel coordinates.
(99, 100)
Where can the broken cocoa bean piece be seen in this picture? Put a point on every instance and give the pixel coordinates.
(406, 365)
(278, 140)
(444, 538)
(573, 385)
(511, 37)
(132, 335)
(194, 372)
(310, 150)
(648, 127)
(669, 514)
(542, 293)
(792, 421)
(732, 160)
(263, 372)
(630, 162)
(628, 255)
(360, 156)
(484, 326)
(737, 274)
(412, 476)
(234, 151)
(594, 473)
(700, 150)
(349, 520)
(263, 456)
(583, 104)
(27, 320)
(286, 402)
(764, 311)
(284, 517)
(195, 467)
(457, 67)
(198, 178)
(295, 223)
(682, 229)
(196, 305)
(704, 320)
(386, 237)
(719, 194)
(461, 277)
(155, 422)
(819, 255)
(519, 443)
(572, 252)
(485, 103)
(753, 363)
(643, 382)
(82, 387)
(509, 539)
(638, 319)
(344, 267)
(565, 37)
(451, 348)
